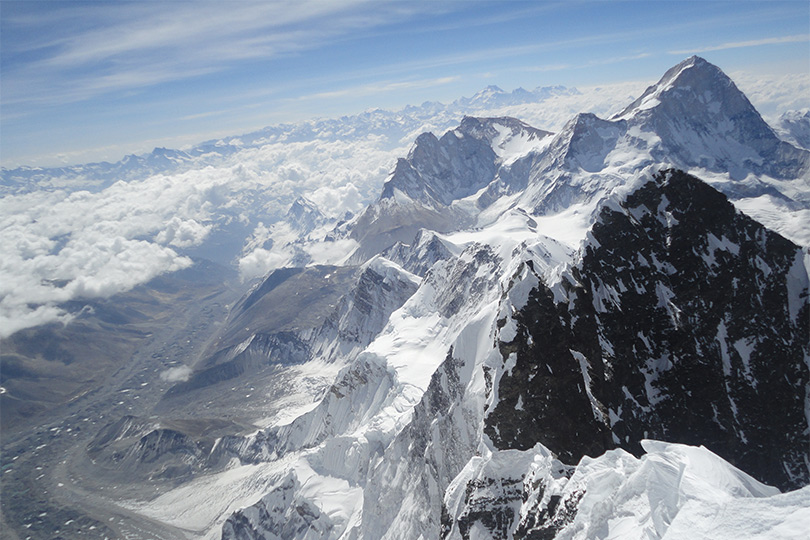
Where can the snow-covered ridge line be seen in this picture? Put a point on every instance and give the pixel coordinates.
(403, 122)
(483, 378)
(234, 209)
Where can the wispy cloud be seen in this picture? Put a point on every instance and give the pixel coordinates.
(800, 38)
(130, 47)
(378, 88)
(589, 64)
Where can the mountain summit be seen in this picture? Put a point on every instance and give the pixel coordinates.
(705, 121)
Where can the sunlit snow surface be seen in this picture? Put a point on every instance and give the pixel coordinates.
(672, 492)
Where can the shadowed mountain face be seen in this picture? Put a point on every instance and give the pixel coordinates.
(684, 321)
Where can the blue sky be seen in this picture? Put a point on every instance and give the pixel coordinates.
(82, 81)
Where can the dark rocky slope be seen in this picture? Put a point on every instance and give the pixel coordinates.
(684, 321)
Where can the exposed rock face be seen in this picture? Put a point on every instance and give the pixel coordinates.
(684, 321)
(142, 446)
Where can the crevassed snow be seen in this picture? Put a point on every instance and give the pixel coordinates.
(775, 214)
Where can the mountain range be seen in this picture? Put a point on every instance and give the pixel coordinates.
(601, 332)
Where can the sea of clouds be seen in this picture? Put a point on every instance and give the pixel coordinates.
(62, 242)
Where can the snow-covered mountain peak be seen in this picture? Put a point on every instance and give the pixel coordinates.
(584, 123)
(304, 215)
(703, 121)
(708, 85)
(694, 67)
(696, 95)
(444, 170)
(487, 94)
(585, 142)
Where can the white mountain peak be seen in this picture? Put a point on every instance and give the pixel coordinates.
(487, 92)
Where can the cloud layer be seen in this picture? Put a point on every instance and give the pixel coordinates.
(62, 245)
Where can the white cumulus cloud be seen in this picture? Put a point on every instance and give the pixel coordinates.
(176, 374)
